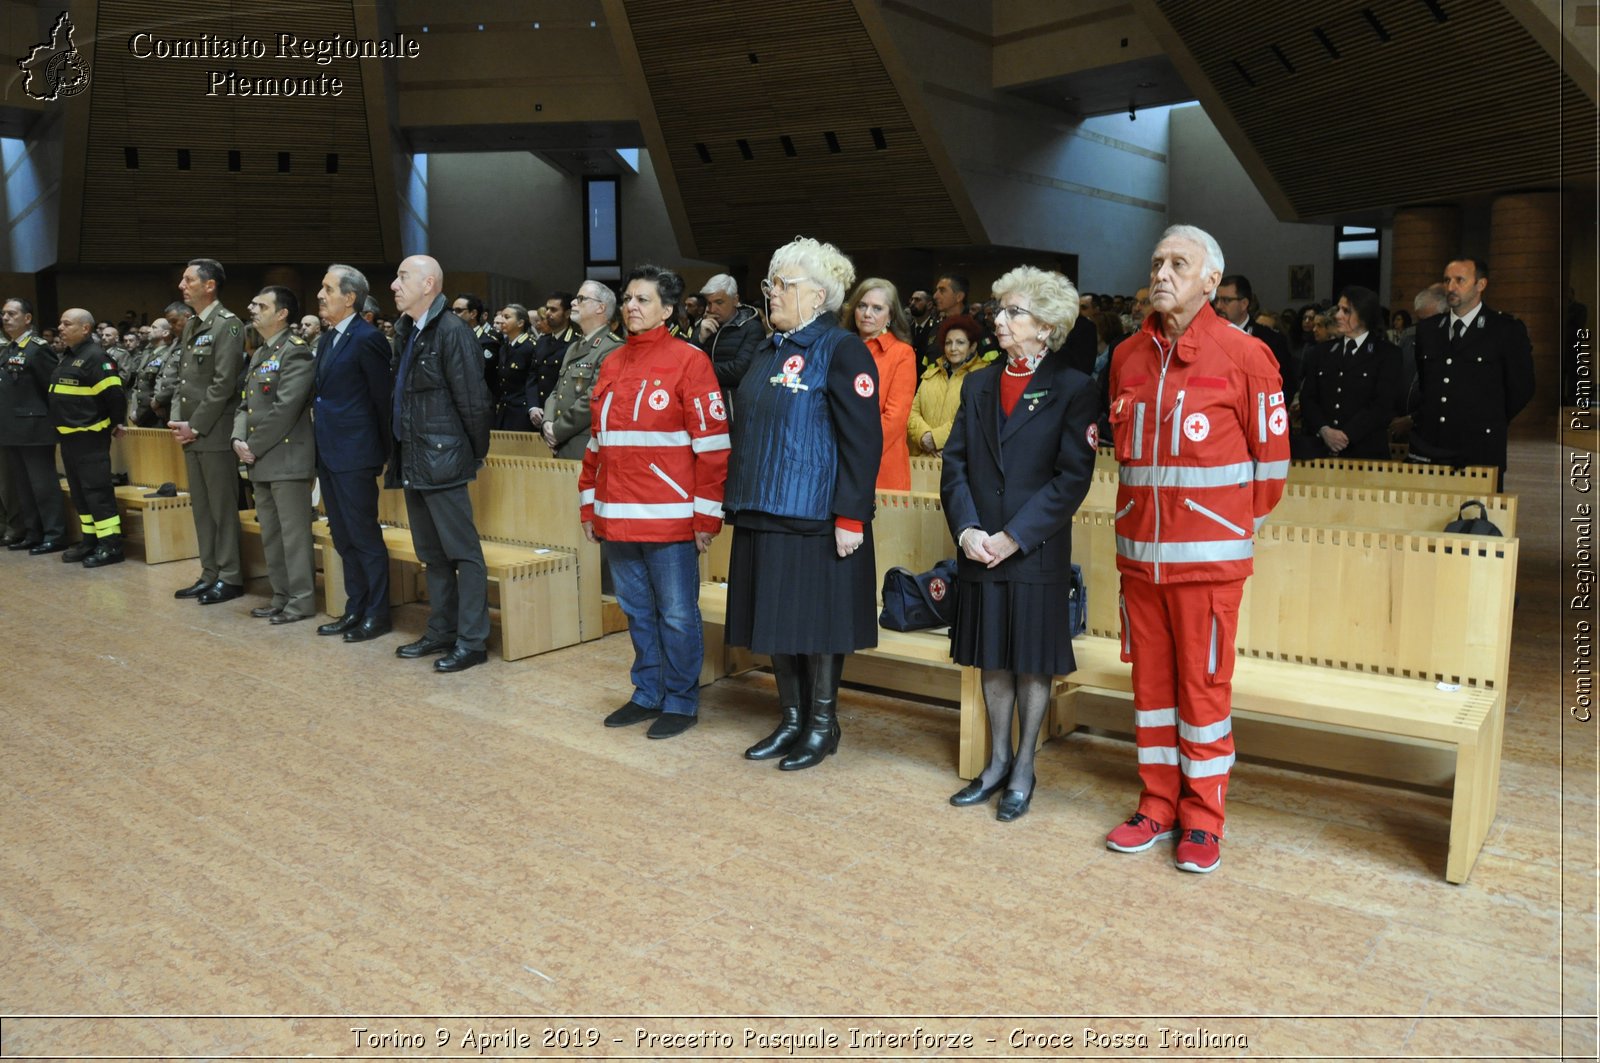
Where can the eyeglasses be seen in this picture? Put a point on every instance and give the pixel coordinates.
(1012, 311)
(779, 285)
(576, 299)
(461, 309)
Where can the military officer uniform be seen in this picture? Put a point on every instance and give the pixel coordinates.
(123, 360)
(274, 420)
(28, 442)
(508, 383)
(1352, 387)
(144, 388)
(567, 410)
(1469, 387)
(86, 404)
(491, 341)
(552, 346)
(211, 358)
(166, 384)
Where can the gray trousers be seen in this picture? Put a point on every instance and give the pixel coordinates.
(458, 581)
(214, 494)
(284, 509)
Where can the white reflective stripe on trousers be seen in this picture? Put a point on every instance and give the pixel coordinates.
(1155, 717)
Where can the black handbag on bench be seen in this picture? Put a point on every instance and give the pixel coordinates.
(913, 602)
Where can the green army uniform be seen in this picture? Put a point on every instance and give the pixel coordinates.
(124, 363)
(274, 420)
(166, 384)
(211, 356)
(144, 388)
(566, 411)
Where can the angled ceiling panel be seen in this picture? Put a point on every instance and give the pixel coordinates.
(157, 211)
(778, 119)
(1349, 105)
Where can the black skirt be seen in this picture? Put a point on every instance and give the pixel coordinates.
(1020, 627)
(793, 593)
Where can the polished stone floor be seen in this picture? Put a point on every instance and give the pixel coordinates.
(204, 816)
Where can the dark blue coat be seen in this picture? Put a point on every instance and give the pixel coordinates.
(1025, 474)
(354, 394)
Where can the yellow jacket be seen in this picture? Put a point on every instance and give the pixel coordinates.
(938, 399)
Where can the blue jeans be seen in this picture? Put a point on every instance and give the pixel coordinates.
(658, 588)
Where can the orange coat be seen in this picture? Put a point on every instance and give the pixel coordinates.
(897, 387)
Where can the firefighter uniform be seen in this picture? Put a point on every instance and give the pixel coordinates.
(86, 403)
(1201, 433)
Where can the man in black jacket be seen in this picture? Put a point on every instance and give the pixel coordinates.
(87, 406)
(441, 430)
(1235, 300)
(27, 436)
(729, 332)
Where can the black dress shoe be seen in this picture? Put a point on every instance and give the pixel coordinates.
(78, 551)
(262, 612)
(22, 544)
(194, 590)
(49, 546)
(370, 628)
(424, 647)
(220, 592)
(107, 553)
(459, 660)
(975, 793)
(340, 626)
(289, 618)
(1014, 803)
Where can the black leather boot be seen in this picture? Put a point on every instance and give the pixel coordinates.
(821, 735)
(787, 669)
(108, 551)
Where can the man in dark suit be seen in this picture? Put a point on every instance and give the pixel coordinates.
(1474, 374)
(354, 385)
(1234, 302)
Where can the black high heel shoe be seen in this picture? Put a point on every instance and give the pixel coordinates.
(975, 793)
(1014, 803)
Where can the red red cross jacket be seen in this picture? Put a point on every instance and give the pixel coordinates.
(655, 465)
(1202, 438)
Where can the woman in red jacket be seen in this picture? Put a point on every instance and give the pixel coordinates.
(874, 311)
(651, 493)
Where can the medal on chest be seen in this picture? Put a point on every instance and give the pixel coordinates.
(789, 377)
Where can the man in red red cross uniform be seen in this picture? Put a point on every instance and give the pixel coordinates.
(1201, 430)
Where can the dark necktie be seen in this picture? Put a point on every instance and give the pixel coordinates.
(1349, 348)
(1456, 330)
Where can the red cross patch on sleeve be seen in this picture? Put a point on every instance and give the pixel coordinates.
(864, 385)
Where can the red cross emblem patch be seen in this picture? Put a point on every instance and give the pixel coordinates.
(864, 386)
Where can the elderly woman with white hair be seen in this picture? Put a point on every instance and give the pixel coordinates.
(802, 586)
(1016, 467)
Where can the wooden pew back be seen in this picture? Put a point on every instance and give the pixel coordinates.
(151, 457)
(1428, 606)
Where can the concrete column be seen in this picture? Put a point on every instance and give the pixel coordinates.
(1525, 279)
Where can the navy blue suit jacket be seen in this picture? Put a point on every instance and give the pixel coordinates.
(355, 393)
(1025, 474)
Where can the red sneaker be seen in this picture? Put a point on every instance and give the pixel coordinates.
(1138, 834)
(1199, 851)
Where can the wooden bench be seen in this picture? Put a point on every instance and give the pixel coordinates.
(533, 585)
(162, 527)
(1394, 635)
(1414, 608)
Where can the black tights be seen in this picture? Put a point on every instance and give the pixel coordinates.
(1028, 695)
